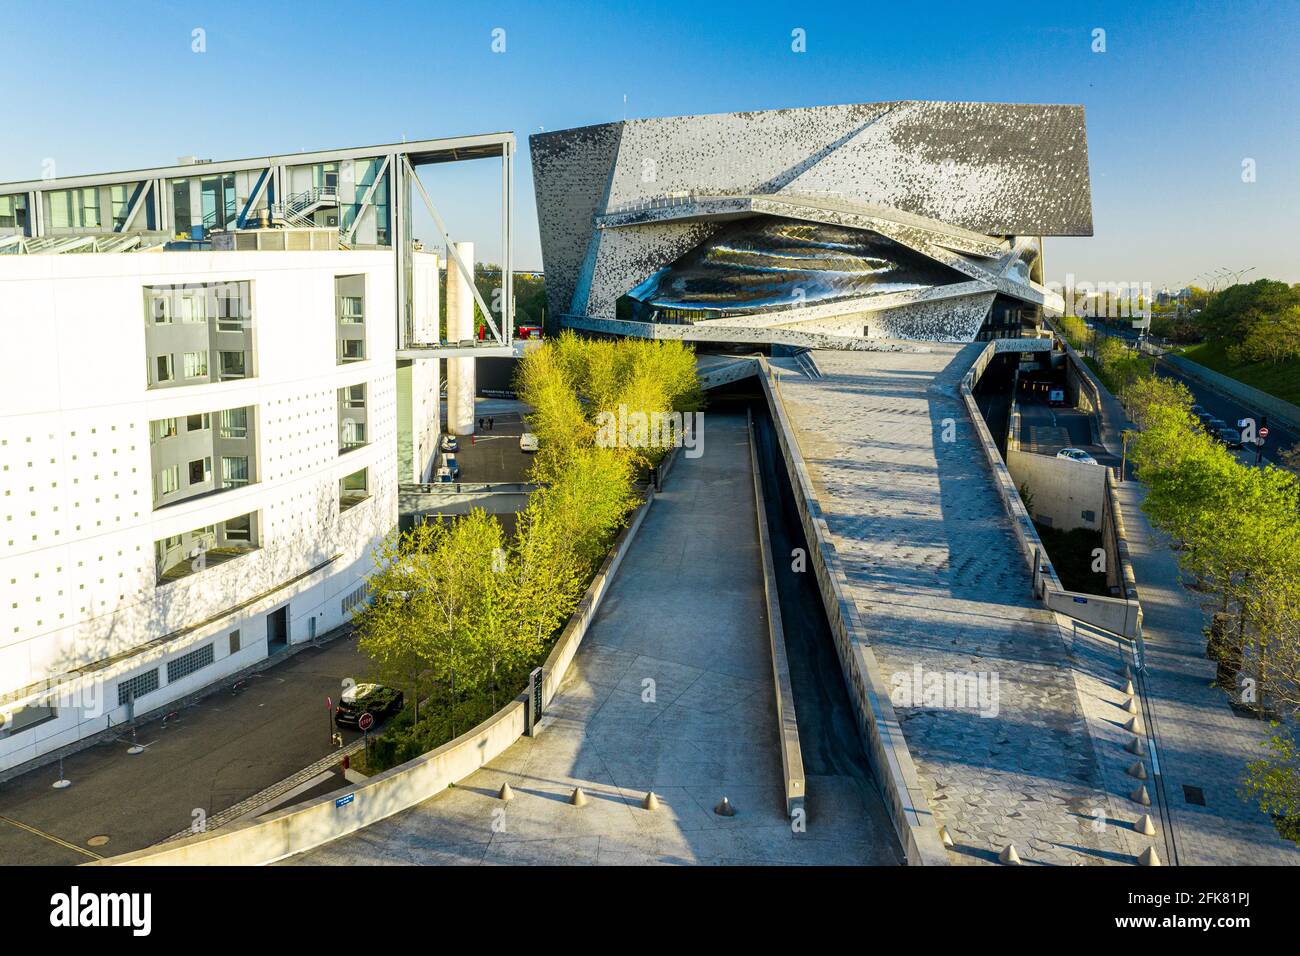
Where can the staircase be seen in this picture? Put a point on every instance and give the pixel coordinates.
(296, 209)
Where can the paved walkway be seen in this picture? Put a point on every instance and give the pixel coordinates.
(940, 583)
(221, 749)
(687, 613)
(1202, 743)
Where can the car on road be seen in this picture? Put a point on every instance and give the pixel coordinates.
(374, 699)
(1056, 397)
(528, 442)
(1076, 454)
(450, 444)
(452, 468)
(1204, 418)
(1229, 436)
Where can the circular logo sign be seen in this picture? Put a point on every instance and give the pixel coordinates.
(366, 721)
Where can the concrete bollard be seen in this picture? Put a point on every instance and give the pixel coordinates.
(1149, 858)
(505, 793)
(651, 802)
(1145, 826)
(1136, 746)
(578, 798)
(1137, 771)
(1133, 725)
(1141, 796)
(1009, 855)
(1131, 705)
(945, 836)
(1128, 688)
(725, 809)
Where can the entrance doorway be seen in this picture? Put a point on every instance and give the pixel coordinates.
(277, 630)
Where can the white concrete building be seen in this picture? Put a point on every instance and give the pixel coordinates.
(200, 446)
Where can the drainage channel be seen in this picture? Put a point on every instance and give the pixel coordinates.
(829, 738)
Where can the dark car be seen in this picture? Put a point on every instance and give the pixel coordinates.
(1230, 437)
(1215, 425)
(374, 699)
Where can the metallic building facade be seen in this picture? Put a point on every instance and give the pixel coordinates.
(827, 226)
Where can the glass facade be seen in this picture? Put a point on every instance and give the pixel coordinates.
(766, 264)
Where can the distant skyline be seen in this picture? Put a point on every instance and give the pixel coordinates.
(1183, 95)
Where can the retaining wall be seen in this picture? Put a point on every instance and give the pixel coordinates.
(786, 719)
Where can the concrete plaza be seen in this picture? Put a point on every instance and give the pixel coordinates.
(671, 692)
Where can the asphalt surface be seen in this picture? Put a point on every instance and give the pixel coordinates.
(1045, 430)
(493, 455)
(215, 753)
(1221, 406)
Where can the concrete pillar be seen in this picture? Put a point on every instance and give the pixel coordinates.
(460, 325)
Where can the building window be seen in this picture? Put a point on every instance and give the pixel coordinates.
(136, 687)
(191, 321)
(240, 529)
(353, 489)
(234, 642)
(187, 664)
(232, 365)
(169, 480)
(164, 372)
(230, 445)
(13, 212)
(181, 555)
(75, 208)
(350, 317)
(234, 472)
(25, 718)
(200, 471)
(196, 364)
(234, 423)
(352, 417)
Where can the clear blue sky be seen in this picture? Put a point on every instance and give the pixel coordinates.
(1183, 93)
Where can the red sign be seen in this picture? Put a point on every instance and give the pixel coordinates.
(329, 702)
(1263, 433)
(366, 721)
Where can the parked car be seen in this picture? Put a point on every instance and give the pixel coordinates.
(374, 699)
(528, 442)
(1229, 436)
(1056, 396)
(1198, 411)
(1204, 418)
(450, 444)
(453, 469)
(1215, 425)
(1076, 454)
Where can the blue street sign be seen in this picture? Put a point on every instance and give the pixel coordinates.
(344, 801)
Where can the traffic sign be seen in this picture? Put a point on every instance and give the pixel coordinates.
(329, 702)
(1263, 433)
(366, 721)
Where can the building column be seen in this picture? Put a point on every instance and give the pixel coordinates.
(460, 325)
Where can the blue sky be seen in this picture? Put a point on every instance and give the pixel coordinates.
(1183, 94)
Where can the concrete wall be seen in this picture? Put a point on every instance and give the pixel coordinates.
(1121, 615)
(1066, 494)
(887, 751)
(82, 611)
(787, 720)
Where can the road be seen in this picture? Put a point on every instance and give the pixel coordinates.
(218, 751)
(1221, 406)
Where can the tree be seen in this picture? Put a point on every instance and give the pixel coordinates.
(394, 627)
